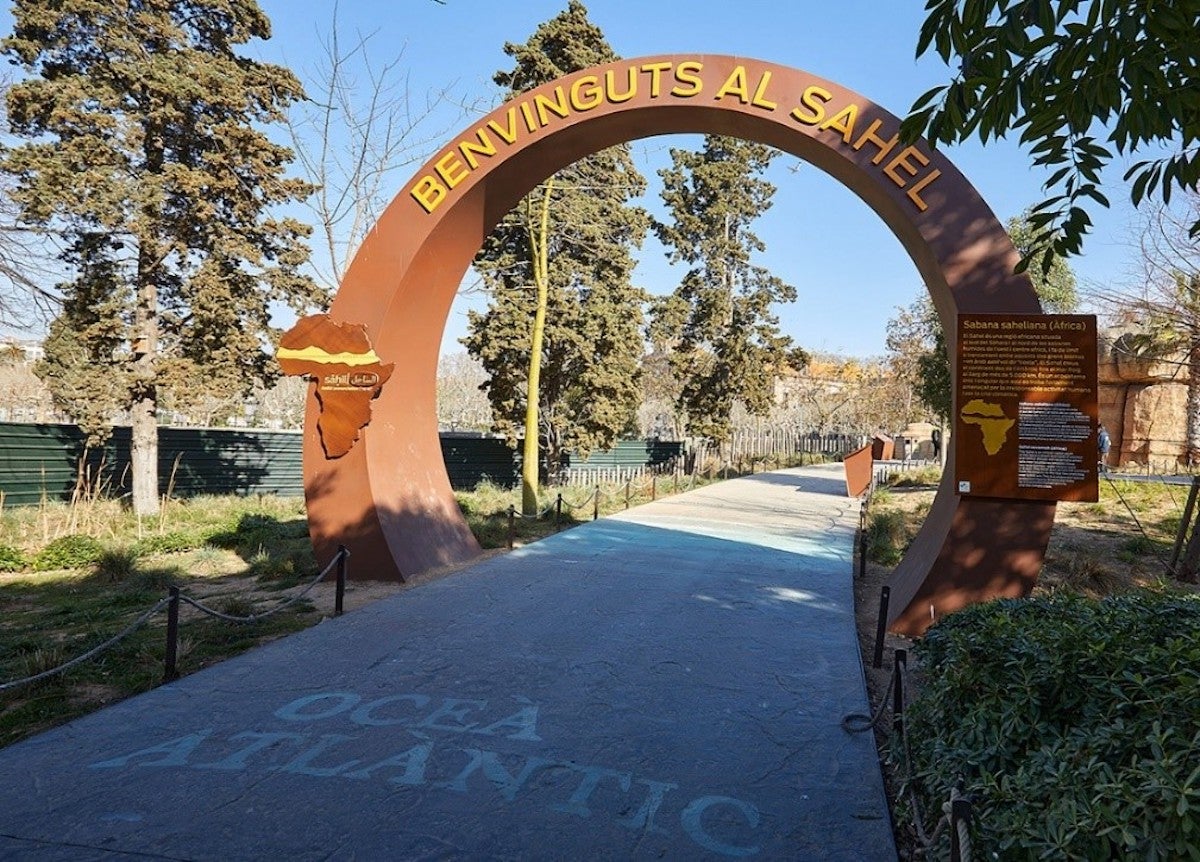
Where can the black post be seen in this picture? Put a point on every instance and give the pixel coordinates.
(339, 596)
(512, 526)
(862, 543)
(1185, 522)
(881, 629)
(653, 487)
(170, 671)
(899, 666)
(596, 504)
(557, 511)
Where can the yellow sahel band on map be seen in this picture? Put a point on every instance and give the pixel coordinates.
(316, 354)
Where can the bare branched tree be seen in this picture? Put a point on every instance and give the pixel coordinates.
(362, 123)
(28, 259)
(1160, 315)
(462, 404)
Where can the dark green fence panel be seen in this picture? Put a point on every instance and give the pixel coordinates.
(472, 459)
(50, 461)
(37, 461)
(44, 461)
(194, 461)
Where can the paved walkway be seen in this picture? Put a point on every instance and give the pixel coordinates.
(666, 683)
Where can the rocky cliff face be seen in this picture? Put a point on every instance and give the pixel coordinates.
(1143, 405)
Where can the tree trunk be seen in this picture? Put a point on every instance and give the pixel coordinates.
(143, 409)
(539, 242)
(1192, 444)
(143, 454)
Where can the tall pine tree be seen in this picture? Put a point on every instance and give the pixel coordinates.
(145, 149)
(559, 271)
(727, 346)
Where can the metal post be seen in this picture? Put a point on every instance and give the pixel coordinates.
(596, 504)
(862, 542)
(339, 596)
(512, 526)
(627, 483)
(557, 511)
(885, 595)
(653, 487)
(899, 666)
(1185, 522)
(170, 671)
(675, 482)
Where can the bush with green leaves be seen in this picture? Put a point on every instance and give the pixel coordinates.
(11, 559)
(68, 552)
(1075, 724)
(170, 543)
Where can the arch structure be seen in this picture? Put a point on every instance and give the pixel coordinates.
(389, 498)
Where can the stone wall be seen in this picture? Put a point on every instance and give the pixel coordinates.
(1143, 405)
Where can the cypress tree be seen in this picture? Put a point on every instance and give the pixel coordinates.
(727, 343)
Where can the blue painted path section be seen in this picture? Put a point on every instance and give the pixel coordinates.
(664, 684)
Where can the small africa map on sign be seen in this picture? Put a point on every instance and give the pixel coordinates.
(992, 422)
(348, 374)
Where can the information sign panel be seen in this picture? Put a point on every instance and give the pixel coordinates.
(1026, 409)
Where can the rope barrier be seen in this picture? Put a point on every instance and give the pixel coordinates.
(956, 813)
(860, 722)
(94, 651)
(165, 602)
(582, 503)
(535, 517)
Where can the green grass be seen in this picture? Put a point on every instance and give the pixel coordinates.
(85, 572)
(486, 507)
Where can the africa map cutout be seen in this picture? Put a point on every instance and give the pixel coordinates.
(348, 373)
(992, 423)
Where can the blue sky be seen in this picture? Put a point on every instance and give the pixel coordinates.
(854, 272)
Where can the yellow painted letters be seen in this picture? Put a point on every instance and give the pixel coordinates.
(586, 93)
(656, 70)
(451, 169)
(735, 85)
(428, 192)
(885, 147)
(814, 99)
(842, 121)
(558, 105)
(610, 85)
(760, 99)
(485, 147)
(688, 73)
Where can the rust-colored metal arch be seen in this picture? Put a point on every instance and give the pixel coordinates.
(390, 499)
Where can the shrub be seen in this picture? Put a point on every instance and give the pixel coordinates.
(1074, 722)
(887, 536)
(11, 559)
(116, 565)
(68, 552)
(169, 543)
